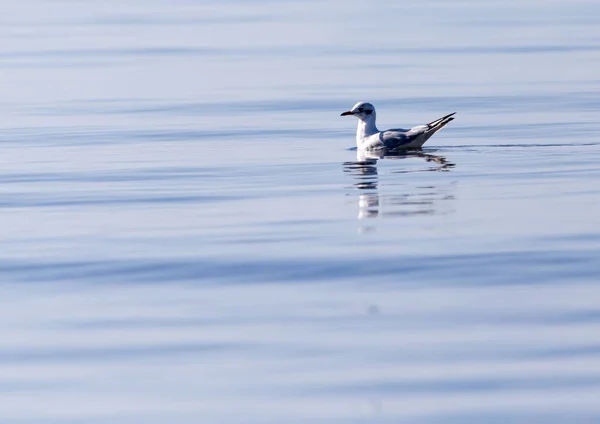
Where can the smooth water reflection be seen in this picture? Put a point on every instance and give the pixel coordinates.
(406, 200)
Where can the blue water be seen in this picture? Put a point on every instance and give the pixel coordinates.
(188, 236)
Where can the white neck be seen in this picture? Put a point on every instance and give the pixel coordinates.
(366, 128)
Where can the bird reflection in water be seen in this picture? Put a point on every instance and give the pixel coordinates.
(416, 200)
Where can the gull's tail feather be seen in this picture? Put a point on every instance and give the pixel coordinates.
(441, 121)
(438, 124)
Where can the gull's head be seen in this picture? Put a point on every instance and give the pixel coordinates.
(362, 110)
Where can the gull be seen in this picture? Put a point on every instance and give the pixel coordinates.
(368, 137)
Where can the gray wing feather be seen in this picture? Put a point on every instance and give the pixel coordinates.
(395, 138)
(400, 138)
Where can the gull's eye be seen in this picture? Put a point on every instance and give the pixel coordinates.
(360, 110)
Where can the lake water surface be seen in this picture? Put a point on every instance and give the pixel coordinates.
(187, 237)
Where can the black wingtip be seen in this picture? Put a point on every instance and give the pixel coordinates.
(446, 118)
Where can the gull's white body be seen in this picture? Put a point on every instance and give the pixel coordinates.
(368, 137)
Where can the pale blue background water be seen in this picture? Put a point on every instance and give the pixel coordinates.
(182, 242)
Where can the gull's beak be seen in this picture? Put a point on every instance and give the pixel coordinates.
(349, 112)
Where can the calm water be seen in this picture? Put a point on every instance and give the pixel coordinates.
(187, 239)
